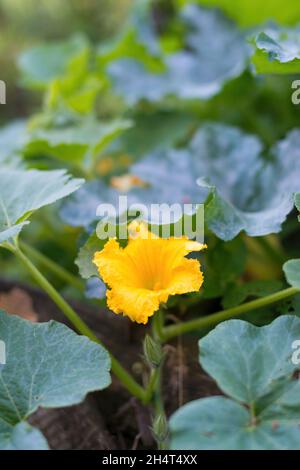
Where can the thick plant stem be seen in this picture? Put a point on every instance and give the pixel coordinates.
(158, 325)
(125, 378)
(212, 320)
(154, 379)
(155, 385)
(53, 267)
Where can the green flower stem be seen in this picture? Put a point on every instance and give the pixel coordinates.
(157, 329)
(127, 380)
(154, 379)
(155, 384)
(158, 325)
(53, 267)
(212, 320)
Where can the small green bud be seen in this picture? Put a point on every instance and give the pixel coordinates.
(160, 428)
(153, 352)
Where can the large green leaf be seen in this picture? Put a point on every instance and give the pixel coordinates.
(80, 209)
(237, 294)
(47, 365)
(74, 144)
(76, 90)
(42, 64)
(137, 39)
(217, 423)
(24, 191)
(292, 272)
(224, 262)
(64, 69)
(252, 12)
(234, 180)
(85, 257)
(230, 169)
(254, 367)
(297, 201)
(277, 51)
(245, 360)
(22, 436)
(12, 140)
(242, 195)
(167, 129)
(214, 53)
(95, 288)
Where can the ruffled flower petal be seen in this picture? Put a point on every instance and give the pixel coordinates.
(145, 273)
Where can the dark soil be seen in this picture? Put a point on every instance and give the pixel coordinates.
(111, 419)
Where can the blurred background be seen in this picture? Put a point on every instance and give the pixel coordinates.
(95, 86)
(25, 23)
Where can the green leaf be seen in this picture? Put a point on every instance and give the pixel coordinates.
(224, 263)
(234, 179)
(243, 198)
(257, 356)
(255, 368)
(72, 143)
(171, 175)
(95, 289)
(136, 40)
(250, 12)
(289, 306)
(24, 191)
(42, 64)
(22, 436)
(237, 294)
(47, 365)
(167, 129)
(214, 52)
(80, 209)
(292, 272)
(297, 203)
(236, 182)
(12, 140)
(277, 51)
(75, 91)
(85, 257)
(217, 423)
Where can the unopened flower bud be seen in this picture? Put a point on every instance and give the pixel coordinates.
(160, 428)
(153, 352)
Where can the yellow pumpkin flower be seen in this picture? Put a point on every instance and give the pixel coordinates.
(147, 271)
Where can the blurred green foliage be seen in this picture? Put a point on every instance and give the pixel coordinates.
(167, 93)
